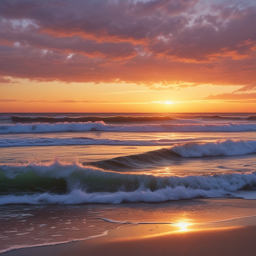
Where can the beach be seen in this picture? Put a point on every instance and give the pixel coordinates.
(199, 227)
(158, 240)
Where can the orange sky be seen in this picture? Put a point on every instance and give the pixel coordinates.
(27, 96)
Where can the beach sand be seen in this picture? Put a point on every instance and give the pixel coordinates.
(157, 240)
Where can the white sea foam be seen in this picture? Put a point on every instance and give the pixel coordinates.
(80, 197)
(164, 189)
(101, 126)
(15, 247)
(221, 147)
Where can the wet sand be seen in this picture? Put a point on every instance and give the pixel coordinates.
(157, 240)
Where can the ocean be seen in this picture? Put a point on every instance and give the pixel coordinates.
(72, 176)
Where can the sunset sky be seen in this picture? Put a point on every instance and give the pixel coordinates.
(127, 56)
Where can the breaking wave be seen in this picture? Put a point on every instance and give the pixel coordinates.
(179, 151)
(219, 148)
(79, 196)
(101, 126)
(73, 183)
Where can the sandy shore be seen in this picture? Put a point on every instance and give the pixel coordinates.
(235, 241)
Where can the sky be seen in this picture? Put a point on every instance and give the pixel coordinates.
(127, 56)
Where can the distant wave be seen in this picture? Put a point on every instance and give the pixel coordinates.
(5, 117)
(219, 117)
(113, 119)
(84, 184)
(27, 142)
(101, 126)
(124, 118)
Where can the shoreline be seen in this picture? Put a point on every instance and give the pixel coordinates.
(155, 239)
(134, 223)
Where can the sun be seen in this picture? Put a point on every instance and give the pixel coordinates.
(183, 226)
(168, 102)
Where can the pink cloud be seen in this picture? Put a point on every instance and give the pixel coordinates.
(233, 96)
(5, 80)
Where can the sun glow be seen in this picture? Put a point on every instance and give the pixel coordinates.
(168, 102)
(183, 226)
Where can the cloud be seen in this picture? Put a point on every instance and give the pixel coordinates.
(5, 80)
(153, 42)
(248, 87)
(107, 20)
(233, 96)
(81, 101)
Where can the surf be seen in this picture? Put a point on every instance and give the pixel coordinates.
(88, 184)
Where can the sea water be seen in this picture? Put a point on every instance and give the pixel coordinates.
(69, 177)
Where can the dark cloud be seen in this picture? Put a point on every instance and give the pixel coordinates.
(144, 42)
(28, 62)
(211, 38)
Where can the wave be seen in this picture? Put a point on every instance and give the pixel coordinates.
(87, 184)
(177, 152)
(180, 148)
(101, 126)
(5, 117)
(26, 142)
(125, 118)
(81, 197)
(219, 148)
(109, 119)
(219, 117)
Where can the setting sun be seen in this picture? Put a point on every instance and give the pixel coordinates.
(183, 226)
(168, 102)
